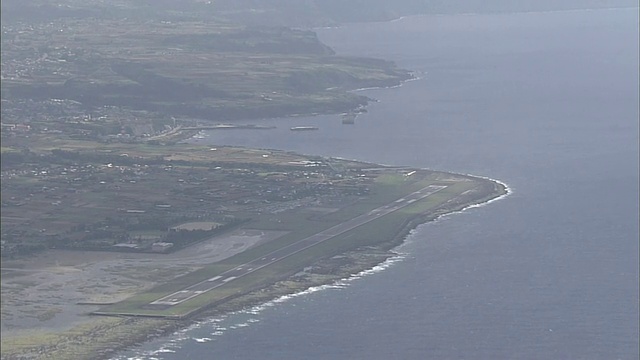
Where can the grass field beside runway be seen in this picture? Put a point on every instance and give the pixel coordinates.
(299, 225)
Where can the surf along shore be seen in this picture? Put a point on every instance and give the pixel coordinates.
(107, 278)
(48, 298)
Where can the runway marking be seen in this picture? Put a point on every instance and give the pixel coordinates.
(257, 264)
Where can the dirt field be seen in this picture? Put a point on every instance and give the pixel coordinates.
(42, 293)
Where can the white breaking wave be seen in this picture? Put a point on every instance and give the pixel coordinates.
(508, 191)
(336, 285)
(180, 336)
(202, 340)
(376, 269)
(148, 355)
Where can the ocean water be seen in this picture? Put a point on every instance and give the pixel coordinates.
(546, 102)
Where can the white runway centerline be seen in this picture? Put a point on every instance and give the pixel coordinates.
(291, 249)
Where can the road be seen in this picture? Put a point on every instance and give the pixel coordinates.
(301, 245)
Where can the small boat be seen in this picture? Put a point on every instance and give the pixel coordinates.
(304, 128)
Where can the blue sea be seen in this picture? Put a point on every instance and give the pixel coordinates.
(546, 102)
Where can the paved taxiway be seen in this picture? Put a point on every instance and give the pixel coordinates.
(284, 252)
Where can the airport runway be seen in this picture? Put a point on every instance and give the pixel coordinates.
(284, 252)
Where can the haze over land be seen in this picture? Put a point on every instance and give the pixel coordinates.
(99, 96)
(95, 106)
(284, 12)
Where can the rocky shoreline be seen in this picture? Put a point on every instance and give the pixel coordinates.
(103, 337)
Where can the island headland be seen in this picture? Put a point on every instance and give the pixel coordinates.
(114, 230)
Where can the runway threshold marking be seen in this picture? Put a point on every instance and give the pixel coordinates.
(174, 298)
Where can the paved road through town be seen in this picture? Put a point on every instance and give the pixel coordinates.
(284, 252)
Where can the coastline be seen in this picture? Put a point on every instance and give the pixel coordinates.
(477, 13)
(339, 270)
(104, 337)
(189, 133)
(141, 331)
